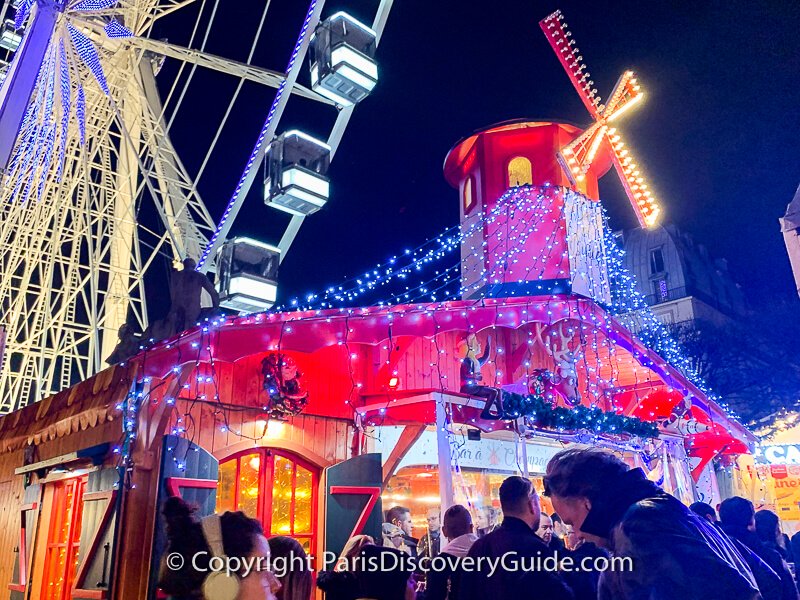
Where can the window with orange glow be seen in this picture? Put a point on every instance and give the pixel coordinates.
(520, 172)
(278, 489)
(468, 194)
(63, 539)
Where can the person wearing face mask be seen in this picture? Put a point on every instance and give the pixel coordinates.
(230, 538)
(672, 552)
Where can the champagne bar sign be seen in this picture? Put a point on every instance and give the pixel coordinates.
(486, 454)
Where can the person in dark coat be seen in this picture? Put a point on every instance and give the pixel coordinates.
(547, 533)
(374, 572)
(737, 518)
(769, 584)
(671, 552)
(705, 510)
(517, 541)
(584, 582)
(795, 545)
(444, 577)
(430, 544)
(768, 530)
(787, 544)
(391, 580)
(341, 583)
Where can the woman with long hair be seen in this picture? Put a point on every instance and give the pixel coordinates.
(290, 563)
(231, 539)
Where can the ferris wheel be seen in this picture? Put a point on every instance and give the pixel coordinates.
(86, 153)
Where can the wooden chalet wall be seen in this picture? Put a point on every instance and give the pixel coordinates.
(320, 440)
(434, 363)
(77, 418)
(11, 490)
(324, 373)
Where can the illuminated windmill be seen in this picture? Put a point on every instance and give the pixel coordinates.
(577, 156)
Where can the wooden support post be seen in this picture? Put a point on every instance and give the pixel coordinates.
(140, 503)
(445, 455)
(521, 427)
(409, 435)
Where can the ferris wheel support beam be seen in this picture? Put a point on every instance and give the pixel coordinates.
(181, 209)
(244, 71)
(335, 137)
(267, 133)
(117, 300)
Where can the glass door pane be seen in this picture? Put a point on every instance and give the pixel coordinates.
(249, 471)
(226, 487)
(282, 496)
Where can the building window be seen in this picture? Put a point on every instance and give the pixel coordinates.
(519, 171)
(63, 539)
(656, 261)
(468, 194)
(278, 489)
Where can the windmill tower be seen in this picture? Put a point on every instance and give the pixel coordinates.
(546, 238)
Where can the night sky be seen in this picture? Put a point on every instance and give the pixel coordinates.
(717, 135)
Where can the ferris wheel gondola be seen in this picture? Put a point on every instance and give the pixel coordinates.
(86, 152)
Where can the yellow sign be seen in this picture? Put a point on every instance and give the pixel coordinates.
(783, 483)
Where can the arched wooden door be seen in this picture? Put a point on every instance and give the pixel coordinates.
(276, 487)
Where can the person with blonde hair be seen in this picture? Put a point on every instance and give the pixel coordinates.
(351, 550)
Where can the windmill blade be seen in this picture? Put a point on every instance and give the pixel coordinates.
(577, 156)
(560, 38)
(643, 202)
(627, 92)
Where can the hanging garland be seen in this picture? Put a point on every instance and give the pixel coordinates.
(545, 415)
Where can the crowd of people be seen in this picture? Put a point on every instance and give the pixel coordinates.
(615, 535)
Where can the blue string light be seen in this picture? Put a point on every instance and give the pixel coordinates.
(80, 113)
(596, 247)
(115, 29)
(88, 53)
(260, 140)
(23, 10)
(527, 201)
(93, 5)
(66, 101)
(39, 134)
